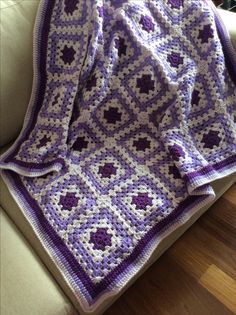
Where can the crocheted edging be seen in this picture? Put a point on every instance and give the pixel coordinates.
(209, 173)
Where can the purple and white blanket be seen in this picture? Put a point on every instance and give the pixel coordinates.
(131, 116)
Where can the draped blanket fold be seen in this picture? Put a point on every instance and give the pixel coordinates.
(132, 115)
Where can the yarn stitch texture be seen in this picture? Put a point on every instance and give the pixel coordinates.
(132, 115)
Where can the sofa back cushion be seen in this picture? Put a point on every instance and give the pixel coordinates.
(17, 23)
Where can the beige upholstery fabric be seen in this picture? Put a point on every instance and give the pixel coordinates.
(17, 21)
(27, 288)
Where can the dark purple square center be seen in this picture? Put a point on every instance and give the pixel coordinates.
(206, 33)
(68, 201)
(177, 152)
(175, 59)
(91, 83)
(175, 4)
(141, 201)
(142, 144)
(68, 54)
(211, 139)
(100, 239)
(107, 170)
(120, 46)
(195, 97)
(174, 171)
(70, 6)
(147, 23)
(145, 83)
(80, 144)
(43, 141)
(112, 115)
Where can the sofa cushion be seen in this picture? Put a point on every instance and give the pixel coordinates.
(26, 285)
(17, 22)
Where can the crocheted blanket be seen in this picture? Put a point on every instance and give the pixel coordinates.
(132, 115)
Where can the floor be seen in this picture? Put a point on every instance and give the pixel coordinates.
(217, 2)
(196, 276)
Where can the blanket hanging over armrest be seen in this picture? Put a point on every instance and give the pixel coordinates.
(132, 115)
